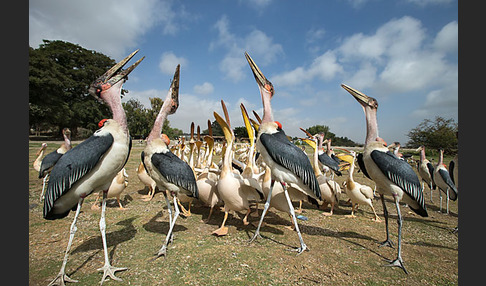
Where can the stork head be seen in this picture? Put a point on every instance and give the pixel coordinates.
(266, 87)
(114, 75)
(363, 99)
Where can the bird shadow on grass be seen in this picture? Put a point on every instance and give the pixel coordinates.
(112, 238)
(162, 227)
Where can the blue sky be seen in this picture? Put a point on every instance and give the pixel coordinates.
(404, 53)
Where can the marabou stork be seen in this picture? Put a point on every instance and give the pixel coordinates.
(328, 158)
(391, 175)
(166, 168)
(92, 165)
(51, 159)
(40, 154)
(443, 181)
(426, 171)
(329, 188)
(288, 163)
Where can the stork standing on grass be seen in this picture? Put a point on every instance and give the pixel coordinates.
(288, 163)
(391, 175)
(443, 180)
(51, 159)
(166, 168)
(426, 171)
(92, 165)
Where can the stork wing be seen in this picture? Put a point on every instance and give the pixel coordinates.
(430, 167)
(176, 171)
(447, 179)
(451, 170)
(330, 162)
(401, 173)
(362, 166)
(71, 167)
(291, 157)
(48, 162)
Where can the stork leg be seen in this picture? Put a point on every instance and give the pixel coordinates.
(398, 262)
(43, 187)
(168, 238)
(440, 205)
(62, 276)
(430, 192)
(387, 242)
(107, 269)
(169, 208)
(294, 218)
(447, 201)
(265, 209)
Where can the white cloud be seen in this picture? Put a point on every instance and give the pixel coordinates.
(423, 3)
(169, 61)
(447, 39)
(204, 89)
(256, 43)
(113, 31)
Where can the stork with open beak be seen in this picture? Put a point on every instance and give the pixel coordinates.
(166, 168)
(92, 165)
(288, 163)
(392, 176)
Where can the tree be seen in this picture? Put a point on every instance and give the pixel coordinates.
(336, 141)
(59, 76)
(137, 118)
(240, 132)
(216, 128)
(438, 134)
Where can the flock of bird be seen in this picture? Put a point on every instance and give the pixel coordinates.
(269, 169)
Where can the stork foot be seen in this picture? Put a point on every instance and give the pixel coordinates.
(162, 252)
(109, 270)
(95, 207)
(147, 198)
(257, 234)
(350, 215)
(387, 242)
(300, 249)
(376, 219)
(222, 231)
(326, 213)
(61, 279)
(397, 263)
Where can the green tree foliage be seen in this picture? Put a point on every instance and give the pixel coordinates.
(336, 141)
(240, 132)
(59, 76)
(435, 134)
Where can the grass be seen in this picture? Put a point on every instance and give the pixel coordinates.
(342, 250)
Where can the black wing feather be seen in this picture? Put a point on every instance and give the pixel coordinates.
(176, 171)
(71, 167)
(286, 154)
(447, 179)
(330, 162)
(451, 170)
(48, 162)
(362, 166)
(401, 173)
(430, 167)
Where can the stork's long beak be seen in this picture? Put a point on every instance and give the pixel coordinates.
(362, 98)
(116, 73)
(174, 89)
(310, 142)
(113, 75)
(261, 80)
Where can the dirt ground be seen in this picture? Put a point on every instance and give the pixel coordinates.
(341, 250)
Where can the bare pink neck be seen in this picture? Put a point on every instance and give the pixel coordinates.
(371, 125)
(113, 100)
(267, 108)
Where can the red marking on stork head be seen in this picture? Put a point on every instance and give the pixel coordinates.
(279, 125)
(165, 139)
(102, 122)
(379, 139)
